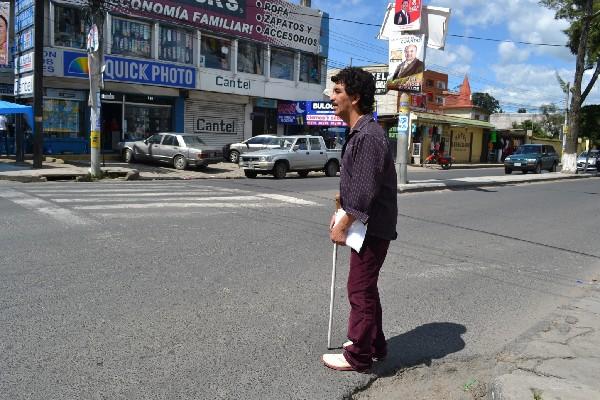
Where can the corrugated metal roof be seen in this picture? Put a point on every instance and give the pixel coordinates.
(428, 117)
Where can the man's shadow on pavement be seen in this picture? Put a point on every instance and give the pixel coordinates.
(420, 346)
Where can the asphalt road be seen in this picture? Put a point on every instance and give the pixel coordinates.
(220, 289)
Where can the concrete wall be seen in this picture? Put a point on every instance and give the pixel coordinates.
(505, 120)
(557, 144)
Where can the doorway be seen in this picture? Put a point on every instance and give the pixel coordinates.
(112, 132)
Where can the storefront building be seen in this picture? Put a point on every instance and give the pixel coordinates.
(312, 118)
(197, 68)
(461, 138)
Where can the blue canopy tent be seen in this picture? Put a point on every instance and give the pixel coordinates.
(13, 108)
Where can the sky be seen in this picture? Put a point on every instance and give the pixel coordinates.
(519, 76)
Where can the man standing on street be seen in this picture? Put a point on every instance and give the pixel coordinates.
(4, 133)
(368, 193)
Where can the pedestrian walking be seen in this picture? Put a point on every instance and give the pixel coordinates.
(368, 193)
(4, 133)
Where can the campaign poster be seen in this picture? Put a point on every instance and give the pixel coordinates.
(4, 30)
(407, 54)
(407, 15)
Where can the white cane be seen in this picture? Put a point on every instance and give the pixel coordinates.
(331, 300)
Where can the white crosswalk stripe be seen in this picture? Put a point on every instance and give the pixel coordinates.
(77, 205)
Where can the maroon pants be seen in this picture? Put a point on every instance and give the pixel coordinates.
(365, 327)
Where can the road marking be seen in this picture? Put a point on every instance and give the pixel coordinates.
(107, 192)
(141, 194)
(45, 207)
(169, 205)
(289, 199)
(179, 197)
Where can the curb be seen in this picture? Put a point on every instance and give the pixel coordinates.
(443, 185)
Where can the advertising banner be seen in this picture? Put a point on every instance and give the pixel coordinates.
(24, 19)
(121, 69)
(21, 5)
(24, 40)
(277, 22)
(314, 113)
(228, 82)
(407, 15)
(4, 31)
(434, 24)
(380, 82)
(406, 63)
(23, 86)
(24, 63)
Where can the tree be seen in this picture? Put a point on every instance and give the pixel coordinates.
(553, 119)
(584, 42)
(535, 127)
(522, 111)
(485, 101)
(590, 122)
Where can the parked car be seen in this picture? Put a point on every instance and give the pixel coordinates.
(592, 159)
(232, 151)
(179, 149)
(532, 157)
(300, 154)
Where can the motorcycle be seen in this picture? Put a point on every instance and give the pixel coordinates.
(435, 158)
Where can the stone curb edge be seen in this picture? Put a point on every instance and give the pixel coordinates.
(435, 186)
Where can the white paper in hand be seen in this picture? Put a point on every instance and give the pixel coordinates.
(356, 233)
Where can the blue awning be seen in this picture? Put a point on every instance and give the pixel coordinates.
(13, 108)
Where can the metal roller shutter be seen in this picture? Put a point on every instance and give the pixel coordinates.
(216, 123)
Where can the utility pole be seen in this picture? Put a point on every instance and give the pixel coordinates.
(566, 124)
(38, 82)
(95, 61)
(402, 143)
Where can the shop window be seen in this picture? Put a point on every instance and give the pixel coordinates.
(131, 38)
(70, 29)
(62, 118)
(141, 121)
(310, 70)
(176, 45)
(250, 58)
(216, 52)
(282, 64)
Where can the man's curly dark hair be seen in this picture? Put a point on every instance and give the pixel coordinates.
(358, 82)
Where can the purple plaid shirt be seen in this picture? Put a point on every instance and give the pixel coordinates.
(368, 186)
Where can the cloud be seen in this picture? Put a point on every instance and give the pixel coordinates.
(525, 20)
(509, 52)
(455, 56)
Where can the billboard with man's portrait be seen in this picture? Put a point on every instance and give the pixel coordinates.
(407, 54)
(407, 15)
(4, 30)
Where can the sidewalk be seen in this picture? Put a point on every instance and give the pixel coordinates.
(57, 169)
(558, 359)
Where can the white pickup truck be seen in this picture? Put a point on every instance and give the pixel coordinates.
(300, 154)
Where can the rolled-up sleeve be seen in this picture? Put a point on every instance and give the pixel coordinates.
(366, 176)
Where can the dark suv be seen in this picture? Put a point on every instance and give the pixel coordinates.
(532, 157)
